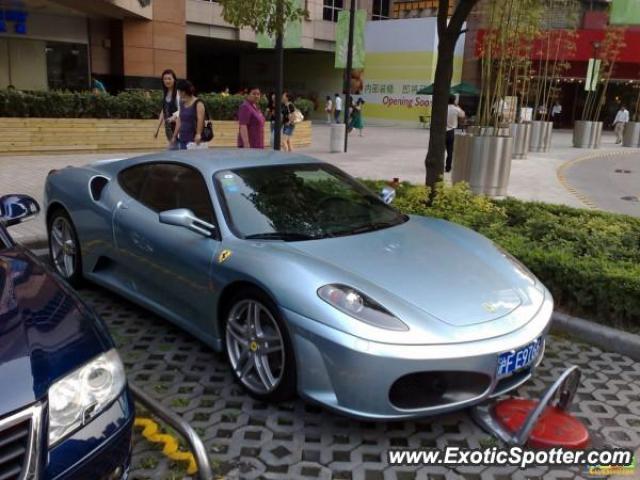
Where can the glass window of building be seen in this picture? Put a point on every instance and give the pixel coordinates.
(331, 9)
(380, 10)
(67, 66)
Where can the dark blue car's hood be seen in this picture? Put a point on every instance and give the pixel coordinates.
(45, 332)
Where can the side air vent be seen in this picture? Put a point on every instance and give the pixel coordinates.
(96, 186)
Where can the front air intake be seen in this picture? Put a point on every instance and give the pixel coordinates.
(437, 389)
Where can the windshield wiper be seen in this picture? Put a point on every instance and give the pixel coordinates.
(368, 227)
(286, 236)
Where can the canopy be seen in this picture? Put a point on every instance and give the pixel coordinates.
(461, 89)
(465, 89)
(428, 90)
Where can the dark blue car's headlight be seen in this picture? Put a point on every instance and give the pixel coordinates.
(357, 305)
(82, 394)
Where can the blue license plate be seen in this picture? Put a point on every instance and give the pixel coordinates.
(514, 360)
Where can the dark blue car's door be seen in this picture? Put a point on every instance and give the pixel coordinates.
(166, 264)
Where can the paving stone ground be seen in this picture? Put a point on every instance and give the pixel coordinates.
(248, 439)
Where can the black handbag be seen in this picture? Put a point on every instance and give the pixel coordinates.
(207, 131)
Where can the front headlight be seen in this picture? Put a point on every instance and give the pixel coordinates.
(81, 395)
(360, 307)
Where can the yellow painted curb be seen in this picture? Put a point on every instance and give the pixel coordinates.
(170, 449)
(584, 199)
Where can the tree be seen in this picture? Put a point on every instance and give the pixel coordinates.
(447, 37)
(266, 17)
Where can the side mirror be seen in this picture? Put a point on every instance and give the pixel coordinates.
(16, 208)
(183, 217)
(388, 195)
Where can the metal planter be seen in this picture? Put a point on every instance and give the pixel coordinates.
(483, 161)
(587, 134)
(489, 131)
(631, 136)
(521, 133)
(541, 133)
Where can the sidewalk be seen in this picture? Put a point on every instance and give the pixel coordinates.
(382, 153)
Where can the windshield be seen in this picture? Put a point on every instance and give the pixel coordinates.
(299, 202)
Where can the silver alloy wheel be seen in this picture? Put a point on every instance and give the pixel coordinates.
(255, 346)
(63, 247)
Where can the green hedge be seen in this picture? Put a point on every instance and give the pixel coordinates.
(128, 104)
(589, 260)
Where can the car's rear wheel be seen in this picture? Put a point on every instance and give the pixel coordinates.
(258, 347)
(64, 248)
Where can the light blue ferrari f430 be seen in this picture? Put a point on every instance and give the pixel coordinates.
(310, 282)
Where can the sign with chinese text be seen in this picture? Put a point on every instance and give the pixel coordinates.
(401, 59)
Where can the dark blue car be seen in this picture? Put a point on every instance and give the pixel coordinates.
(65, 410)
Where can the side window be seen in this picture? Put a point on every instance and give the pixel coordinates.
(192, 193)
(132, 178)
(170, 185)
(159, 190)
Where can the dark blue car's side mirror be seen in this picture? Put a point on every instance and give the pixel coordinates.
(16, 208)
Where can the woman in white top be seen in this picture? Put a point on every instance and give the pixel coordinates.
(328, 108)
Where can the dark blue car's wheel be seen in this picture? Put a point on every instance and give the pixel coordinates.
(258, 347)
(64, 248)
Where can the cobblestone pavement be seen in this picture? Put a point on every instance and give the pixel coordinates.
(247, 439)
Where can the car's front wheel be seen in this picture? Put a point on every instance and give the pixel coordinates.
(64, 248)
(258, 347)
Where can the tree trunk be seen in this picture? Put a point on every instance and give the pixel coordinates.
(434, 161)
(448, 32)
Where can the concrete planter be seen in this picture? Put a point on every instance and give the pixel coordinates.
(483, 161)
(587, 134)
(631, 137)
(540, 140)
(521, 133)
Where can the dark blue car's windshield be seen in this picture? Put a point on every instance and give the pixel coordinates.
(299, 202)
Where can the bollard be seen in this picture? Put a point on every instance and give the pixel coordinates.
(337, 134)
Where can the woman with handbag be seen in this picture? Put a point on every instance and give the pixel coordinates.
(190, 124)
(290, 116)
(170, 105)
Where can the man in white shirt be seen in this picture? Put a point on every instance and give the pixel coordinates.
(622, 118)
(454, 113)
(556, 111)
(338, 107)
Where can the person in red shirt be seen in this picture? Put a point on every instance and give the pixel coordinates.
(251, 121)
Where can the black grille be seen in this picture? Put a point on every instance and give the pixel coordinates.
(14, 449)
(437, 389)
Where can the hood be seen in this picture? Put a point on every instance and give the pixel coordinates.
(45, 331)
(445, 270)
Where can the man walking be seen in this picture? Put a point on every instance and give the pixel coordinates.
(338, 107)
(454, 112)
(622, 118)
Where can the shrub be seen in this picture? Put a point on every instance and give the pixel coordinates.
(128, 104)
(590, 261)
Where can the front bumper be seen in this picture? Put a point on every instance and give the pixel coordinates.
(355, 376)
(99, 450)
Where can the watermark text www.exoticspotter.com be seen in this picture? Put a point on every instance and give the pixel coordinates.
(513, 456)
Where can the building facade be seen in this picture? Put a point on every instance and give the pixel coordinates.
(50, 44)
(590, 23)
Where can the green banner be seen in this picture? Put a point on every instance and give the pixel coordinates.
(292, 34)
(342, 39)
(593, 75)
(625, 12)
